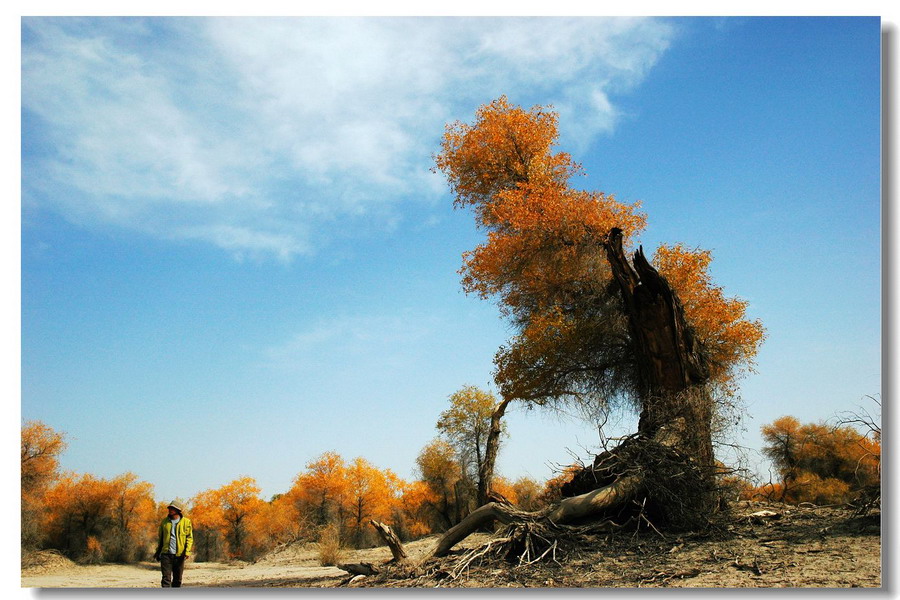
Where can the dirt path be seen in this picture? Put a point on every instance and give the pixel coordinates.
(195, 575)
(290, 567)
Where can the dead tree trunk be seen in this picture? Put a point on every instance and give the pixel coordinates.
(671, 364)
(492, 446)
(390, 538)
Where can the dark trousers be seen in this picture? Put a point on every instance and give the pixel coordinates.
(172, 569)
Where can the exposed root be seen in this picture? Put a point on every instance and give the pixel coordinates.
(477, 554)
(526, 543)
(675, 492)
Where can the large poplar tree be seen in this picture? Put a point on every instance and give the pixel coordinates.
(591, 326)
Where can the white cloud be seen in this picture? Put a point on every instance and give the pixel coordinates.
(251, 134)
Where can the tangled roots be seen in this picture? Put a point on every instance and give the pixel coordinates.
(675, 493)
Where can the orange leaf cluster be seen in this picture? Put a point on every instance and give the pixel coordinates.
(552, 491)
(41, 447)
(504, 167)
(505, 147)
(232, 515)
(730, 339)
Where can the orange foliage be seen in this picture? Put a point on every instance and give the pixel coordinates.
(207, 518)
(527, 492)
(93, 550)
(720, 323)
(504, 166)
(507, 146)
(820, 464)
(322, 488)
(371, 495)
(41, 447)
(118, 513)
(344, 497)
(544, 259)
(505, 488)
(415, 499)
(133, 506)
(231, 510)
(552, 491)
(281, 522)
(94, 519)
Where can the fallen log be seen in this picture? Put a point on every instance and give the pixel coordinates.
(567, 510)
(481, 516)
(595, 502)
(359, 568)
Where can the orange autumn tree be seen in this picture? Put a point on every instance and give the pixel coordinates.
(133, 512)
(41, 448)
(592, 329)
(321, 490)
(372, 494)
(527, 492)
(92, 519)
(230, 511)
(205, 512)
(282, 522)
(412, 513)
(241, 504)
(819, 463)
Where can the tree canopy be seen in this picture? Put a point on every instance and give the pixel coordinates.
(544, 261)
(466, 423)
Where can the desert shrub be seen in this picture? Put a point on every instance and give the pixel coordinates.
(809, 487)
(330, 548)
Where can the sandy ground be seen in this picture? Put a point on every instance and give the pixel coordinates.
(196, 574)
(288, 567)
(800, 547)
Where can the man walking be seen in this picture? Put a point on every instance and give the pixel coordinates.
(176, 540)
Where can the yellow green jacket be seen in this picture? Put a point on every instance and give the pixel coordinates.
(184, 536)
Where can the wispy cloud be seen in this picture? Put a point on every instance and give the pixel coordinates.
(255, 135)
(388, 341)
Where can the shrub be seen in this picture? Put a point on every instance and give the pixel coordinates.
(330, 550)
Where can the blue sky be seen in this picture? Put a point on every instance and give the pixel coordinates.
(234, 256)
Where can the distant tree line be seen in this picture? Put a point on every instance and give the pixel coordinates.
(91, 519)
(332, 500)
